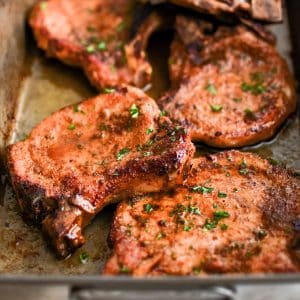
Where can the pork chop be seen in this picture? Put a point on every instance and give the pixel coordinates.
(86, 156)
(96, 35)
(236, 213)
(232, 87)
(263, 10)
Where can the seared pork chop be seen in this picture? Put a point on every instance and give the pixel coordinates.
(264, 10)
(233, 88)
(96, 36)
(86, 156)
(236, 213)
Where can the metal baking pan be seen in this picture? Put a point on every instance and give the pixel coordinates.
(31, 87)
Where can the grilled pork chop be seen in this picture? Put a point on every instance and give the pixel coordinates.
(236, 213)
(86, 156)
(231, 87)
(96, 36)
(264, 10)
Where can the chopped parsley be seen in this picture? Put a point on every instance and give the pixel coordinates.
(211, 89)
(196, 270)
(187, 228)
(108, 90)
(202, 189)
(244, 171)
(216, 107)
(90, 48)
(224, 226)
(273, 161)
(148, 208)
(237, 100)
(124, 269)
(147, 153)
(102, 46)
(218, 215)
(103, 127)
(76, 109)
(84, 257)
(194, 210)
(72, 126)
(149, 131)
(256, 89)
(222, 195)
(160, 235)
(243, 168)
(163, 113)
(122, 153)
(134, 111)
(121, 26)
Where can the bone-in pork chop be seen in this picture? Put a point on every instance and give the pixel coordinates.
(236, 213)
(86, 156)
(96, 35)
(232, 87)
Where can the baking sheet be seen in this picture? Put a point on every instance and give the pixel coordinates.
(47, 86)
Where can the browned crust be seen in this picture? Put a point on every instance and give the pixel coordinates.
(265, 197)
(58, 190)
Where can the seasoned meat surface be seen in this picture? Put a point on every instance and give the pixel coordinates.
(264, 10)
(231, 87)
(96, 35)
(86, 156)
(236, 213)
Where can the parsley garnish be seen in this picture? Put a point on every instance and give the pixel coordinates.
(124, 269)
(90, 48)
(218, 215)
(134, 111)
(187, 228)
(160, 235)
(150, 130)
(255, 89)
(72, 126)
(211, 88)
(121, 27)
(123, 152)
(249, 114)
(216, 107)
(224, 226)
(260, 234)
(194, 210)
(163, 113)
(76, 109)
(108, 90)
(148, 208)
(202, 189)
(222, 195)
(102, 46)
(84, 257)
(237, 100)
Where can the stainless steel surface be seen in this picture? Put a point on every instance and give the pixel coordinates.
(46, 86)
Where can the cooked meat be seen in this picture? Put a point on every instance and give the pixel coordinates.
(86, 156)
(233, 88)
(264, 10)
(96, 36)
(236, 213)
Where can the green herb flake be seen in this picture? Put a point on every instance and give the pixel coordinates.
(90, 49)
(122, 153)
(255, 89)
(194, 210)
(72, 126)
(202, 189)
(224, 226)
(187, 228)
(147, 153)
(134, 111)
(273, 161)
(124, 270)
(163, 113)
(121, 26)
(211, 89)
(215, 205)
(77, 110)
(102, 46)
(237, 100)
(148, 208)
(84, 257)
(222, 195)
(216, 107)
(244, 171)
(196, 270)
(221, 214)
(108, 90)
(149, 131)
(160, 235)
(249, 114)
